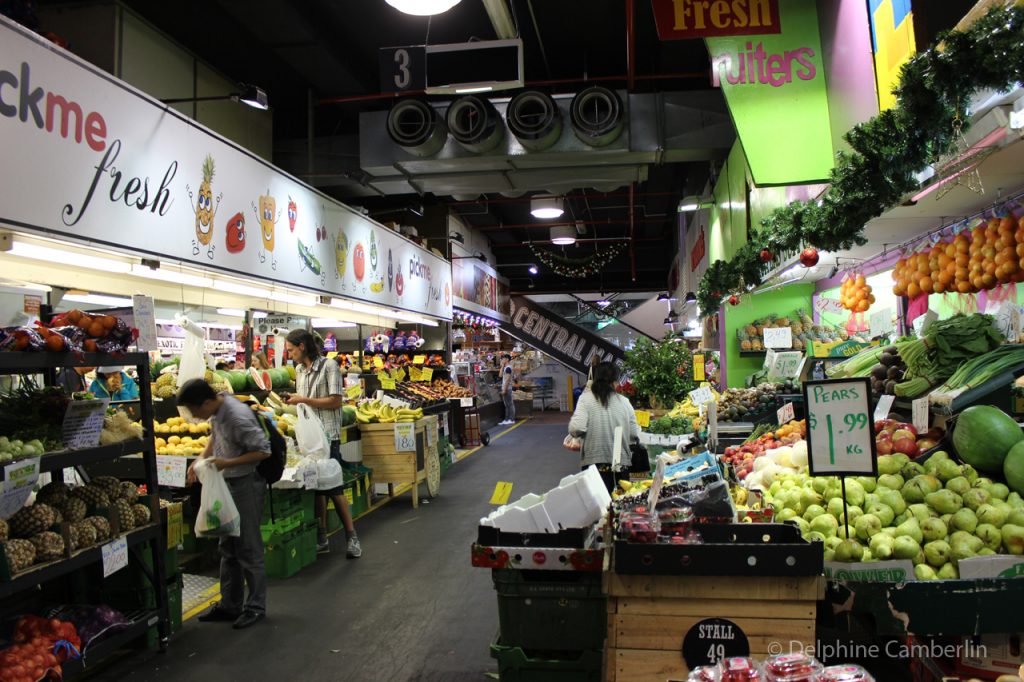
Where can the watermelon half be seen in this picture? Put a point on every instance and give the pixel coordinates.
(984, 435)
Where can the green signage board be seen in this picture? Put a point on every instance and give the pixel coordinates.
(776, 91)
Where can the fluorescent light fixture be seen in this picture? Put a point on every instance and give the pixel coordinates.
(98, 299)
(415, 319)
(239, 288)
(38, 252)
(603, 303)
(547, 207)
(293, 298)
(329, 322)
(663, 297)
(423, 8)
(175, 276)
(258, 314)
(691, 297)
(253, 96)
(471, 91)
(563, 235)
(533, 270)
(694, 324)
(694, 202)
(231, 312)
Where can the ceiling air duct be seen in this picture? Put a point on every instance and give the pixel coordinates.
(534, 118)
(597, 116)
(475, 124)
(417, 127)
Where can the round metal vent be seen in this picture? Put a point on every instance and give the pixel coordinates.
(534, 118)
(597, 116)
(475, 124)
(416, 126)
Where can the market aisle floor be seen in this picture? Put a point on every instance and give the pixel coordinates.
(412, 609)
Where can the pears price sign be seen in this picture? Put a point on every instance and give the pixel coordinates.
(840, 431)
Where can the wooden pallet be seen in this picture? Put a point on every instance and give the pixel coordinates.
(389, 466)
(648, 617)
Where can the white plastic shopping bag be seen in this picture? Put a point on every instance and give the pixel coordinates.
(310, 435)
(218, 515)
(329, 474)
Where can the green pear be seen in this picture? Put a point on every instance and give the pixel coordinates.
(890, 531)
(999, 491)
(934, 529)
(851, 515)
(920, 558)
(921, 511)
(830, 554)
(958, 484)
(833, 490)
(849, 550)
(944, 501)
(785, 514)
(1001, 505)
(868, 556)
(916, 488)
(932, 465)
(900, 459)
(900, 518)
(911, 469)
(948, 470)
(905, 547)
(982, 482)
(990, 514)
(867, 482)
(1016, 517)
(801, 524)
(819, 483)
(949, 571)
(814, 536)
(813, 511)
(1013, 538)
(826, 524)
(946, 519)
(887, 465)
(855, 493)
(975, 497)
(870, 499)
(832, 542)
(911, 528)
(890, 481)
(809, 497)
(964, 520)
(990, 535)
(775, 488)
(937, 553)
(895, 501)
(867, 526)
(881, 546)
(925, 572)
(1015, 500)
(835, 507)
(847, 532)
(985, 551)
(883, 512)
(970, 473)
(964, 546)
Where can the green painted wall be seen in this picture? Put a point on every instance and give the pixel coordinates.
(728, 222)
(781, 301)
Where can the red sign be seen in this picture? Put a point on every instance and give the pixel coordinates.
(698, 251)
(682, 19)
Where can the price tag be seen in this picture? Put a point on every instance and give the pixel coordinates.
(712, 640)
(786, 365)
(466, 402)
(702, 395)
(698, 367)
(398, 374)
(145, 322)
(354, 392)
(921, 416)
(378, 362)
(19, 477)
(310, 477)
(171, 470)
(115, 556)
(83, 422)
(333, 354)
(785, 414)
(921, 323)
(883, 407)
(881, 322)
(778, 337)
(405, 437)
(643, 418)
(414, 374)
(426, 374)
(387, 383)
(175, 525)
(419, 359)
(840, 433)
(658, 480)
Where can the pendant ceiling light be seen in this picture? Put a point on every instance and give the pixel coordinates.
(563, 235)
(546, 207)
(423, 8)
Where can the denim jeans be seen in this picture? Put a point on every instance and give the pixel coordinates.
(241, 558)
(510, 406)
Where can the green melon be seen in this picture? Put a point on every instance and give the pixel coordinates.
(238, 379)
(984, 435)
(1013, 468)
(348, 415)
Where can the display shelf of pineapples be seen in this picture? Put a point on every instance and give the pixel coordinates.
(801, 326)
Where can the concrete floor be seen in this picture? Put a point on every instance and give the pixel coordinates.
(411, 609)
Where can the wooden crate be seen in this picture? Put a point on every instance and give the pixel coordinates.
(390, 467)
(648, 617)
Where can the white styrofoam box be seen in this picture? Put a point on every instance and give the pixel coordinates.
(577, 502)
(352, 451)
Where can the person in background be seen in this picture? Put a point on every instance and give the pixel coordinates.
(221, 366)
(598, 412)
(113, 383)
(230, 364)
(506, 390)
(238, 443)
(259, 360)
(319, 384)
(72, 379)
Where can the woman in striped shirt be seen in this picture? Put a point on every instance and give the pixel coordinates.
(599, 412)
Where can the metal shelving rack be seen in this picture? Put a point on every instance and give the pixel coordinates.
(150, 535)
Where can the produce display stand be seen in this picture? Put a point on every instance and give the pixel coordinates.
(151, 536)
(414, 467)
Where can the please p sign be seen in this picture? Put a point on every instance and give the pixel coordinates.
(840, 431)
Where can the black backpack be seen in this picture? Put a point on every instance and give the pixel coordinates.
(272, 467)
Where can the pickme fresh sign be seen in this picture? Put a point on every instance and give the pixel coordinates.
(573, 346)
(681, 19)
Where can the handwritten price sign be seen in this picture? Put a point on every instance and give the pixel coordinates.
(840, 438)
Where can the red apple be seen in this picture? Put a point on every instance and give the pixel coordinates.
(884, 435)
(883, 447)
(908, 446)
(935, 433)
(925, 444)
(908, 427)
(900, 434)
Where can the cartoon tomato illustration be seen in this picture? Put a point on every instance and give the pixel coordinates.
(293, 214)
(359, 262)
(340, 252)
(236, 233)
(399, 283)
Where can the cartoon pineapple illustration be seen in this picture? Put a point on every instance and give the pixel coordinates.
(205, 210)
(268, 216)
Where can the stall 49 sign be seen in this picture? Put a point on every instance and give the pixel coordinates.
(712, 640)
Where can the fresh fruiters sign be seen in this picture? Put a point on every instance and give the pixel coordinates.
(776, 91)
(91, 158)
(680, 19)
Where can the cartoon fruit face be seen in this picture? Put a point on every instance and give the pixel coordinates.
(447, 294)
(359, 262)
(204, 204)
(236, 233)
(293, 214)
(340, 252)
(373, 252)
(390, 270)
(399, 283)
(268, 211)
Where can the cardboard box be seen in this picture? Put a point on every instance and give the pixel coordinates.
(992, 566)
(871, 572)
(997, 653)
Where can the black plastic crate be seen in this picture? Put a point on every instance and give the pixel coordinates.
(539, 610)
(515, 664)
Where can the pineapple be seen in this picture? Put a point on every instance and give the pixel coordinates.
(32, 520)
(204, 204)
(5, 531)
(20, 554)
(796, 328)
(798, 344)
(84, 533)
(751, 330)
(125, 515)
(756, 345)
(53, 494)
(102, 527)
(745, 343)
(142, 514)
(74, 509)
(805, 320)
(783, 321)
(773, 321)
(91, 495)
(130, 491)
(49, 546)
(109, 485)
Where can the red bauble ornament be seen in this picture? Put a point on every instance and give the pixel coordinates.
(809, 257)
(734, 300)
(766, 255)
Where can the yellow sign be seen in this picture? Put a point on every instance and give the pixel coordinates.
(332, 355)
(426, 374)
(419, 359)
(502, 491)
(387, 383)
(643, 418)
(698, 367)
(414, 374)
(377, 362)
(398, 374)
(175, 525)
(354, 392)
(892, 33)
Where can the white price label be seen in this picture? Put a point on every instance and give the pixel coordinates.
(171, 470)
(784, 365)
(145, 322)
(840, 432)
(827, 305)
(83, 422)
(921, 323)
(405, 437)
(465, 402)
(778, 337)
(19, 477)
(310, 477)
(881, 322)
(394, 402)
(702, 395)
(883, 407)
(921, 414)
(785, 414)
(115, 556)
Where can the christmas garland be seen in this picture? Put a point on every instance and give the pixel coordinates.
(578, 267)
(888, 150)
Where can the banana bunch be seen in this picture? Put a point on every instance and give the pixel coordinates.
(626, 487)
(376, 412)
(739, 495)
(686, 408)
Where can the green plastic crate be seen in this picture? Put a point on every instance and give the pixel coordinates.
(539, 608)
(283, 559)
(307, 500)
(133, 577)
(287, 502)
(307, 545)
(517, 665)
(174, 601)
(284, 525)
